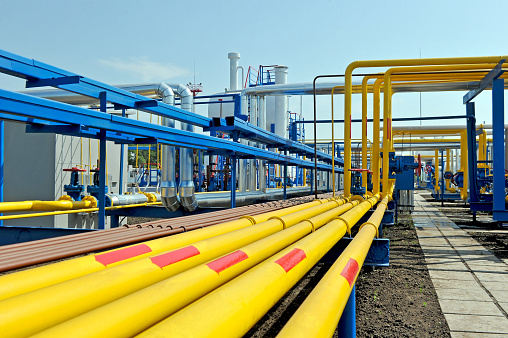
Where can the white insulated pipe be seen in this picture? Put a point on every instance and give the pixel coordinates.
(281, 78)
(233, 70)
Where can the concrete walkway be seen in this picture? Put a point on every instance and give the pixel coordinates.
(470, 282)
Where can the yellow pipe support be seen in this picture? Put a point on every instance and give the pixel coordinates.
(134, 313)
(376, 138)
(54, 304)
(231, 310)
(464, 165)
(36, 278)
(348, 91)
(320, 313)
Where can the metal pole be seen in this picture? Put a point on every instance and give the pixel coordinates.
(442, 178)
(347, 323)
(471, 151)
(200, 176)
(285, 176)
(498, 142)
(122, 149)
(232, 159)
(2, 146)
(102, 168)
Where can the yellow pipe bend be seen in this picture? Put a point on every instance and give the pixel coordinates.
(390, 63)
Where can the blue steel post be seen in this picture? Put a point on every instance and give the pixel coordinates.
(102, 168)
(122, 149)
(2, 144)
(471, 151)
(285, 176)
(347, 323)
(233, 180)
(200, 176)
(499, 146)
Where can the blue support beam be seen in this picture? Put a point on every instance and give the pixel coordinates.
(102, 167)
(500, 214)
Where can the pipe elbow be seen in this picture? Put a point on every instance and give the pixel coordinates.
(187, 197)
(169, 193)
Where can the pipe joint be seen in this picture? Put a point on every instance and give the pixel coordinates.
(376, 228)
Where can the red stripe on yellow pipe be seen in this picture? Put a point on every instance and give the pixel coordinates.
(227, 261)
(174, 256)
(291, 259)
(350, 271)
(122, 254)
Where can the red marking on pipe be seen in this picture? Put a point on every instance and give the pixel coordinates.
(176, 256)
(350, 271)
(122, 254)
(291, 259)
(227, 261)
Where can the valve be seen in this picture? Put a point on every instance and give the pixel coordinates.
(94, 189)
(74, 189)
(448, 175)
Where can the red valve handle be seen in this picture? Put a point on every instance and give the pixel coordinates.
(74, 169)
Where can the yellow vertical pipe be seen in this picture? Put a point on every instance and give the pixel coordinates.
(464, 164)
(364, 131)
(375, 137)
(90, 160)
(81, 159)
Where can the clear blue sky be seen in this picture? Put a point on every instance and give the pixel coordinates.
(149, 41)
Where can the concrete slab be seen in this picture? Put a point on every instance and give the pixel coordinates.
(500, 295)
(456, 334)
(492, 277)
(471, 294)
(495, 286)
(467, 307)
(477, 324)
(451, 275)
(453, 284)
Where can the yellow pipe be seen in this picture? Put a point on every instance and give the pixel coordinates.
(134, 313)
(464, 165)
(448, 180)
(36, 278)
(320, 313)
(43, 308)
(364, 131)
(390, 63)
(429, 140)
(387, 112)
(47, 205)
(81, 159)
(376, 137)
(231, 310)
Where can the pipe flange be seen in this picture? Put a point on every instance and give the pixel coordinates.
(92, 200)
(284, 225)
(65, 198)
(250, 218)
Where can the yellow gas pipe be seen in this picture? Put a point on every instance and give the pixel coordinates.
(54, 304)
(134, 313)
(320, 313)
(62, 204)
(36, 278)
(232, 309)
(390, 63)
